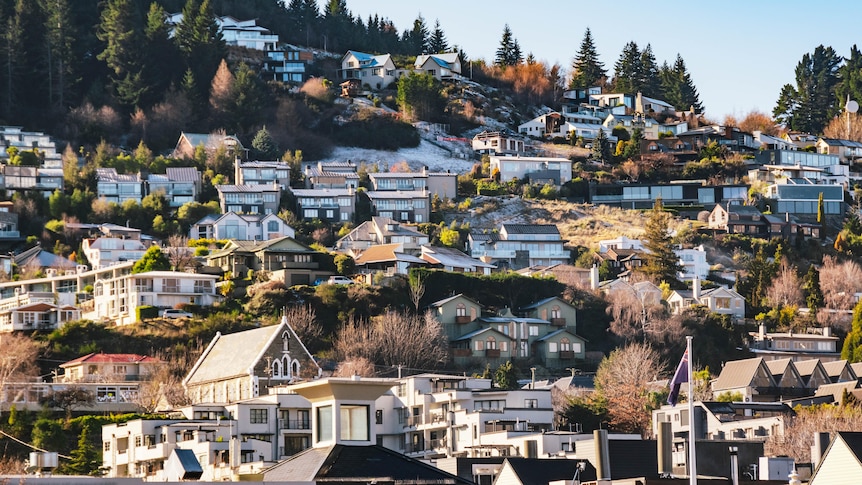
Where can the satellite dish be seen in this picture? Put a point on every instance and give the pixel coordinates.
(852, 106)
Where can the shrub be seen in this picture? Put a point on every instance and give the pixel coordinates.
(146, 312)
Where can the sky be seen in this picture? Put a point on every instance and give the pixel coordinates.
(739, 53)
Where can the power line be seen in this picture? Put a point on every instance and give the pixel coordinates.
(30, 446)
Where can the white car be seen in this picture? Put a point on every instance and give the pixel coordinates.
(339, 280)
(171, 313)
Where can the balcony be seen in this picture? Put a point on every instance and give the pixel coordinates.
(462, 352)
(463, 319)
(559, 322)
(303, 424)
(492, 353)
(413, 421)
(567, 354)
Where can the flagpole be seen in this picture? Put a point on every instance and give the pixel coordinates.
(692, 454)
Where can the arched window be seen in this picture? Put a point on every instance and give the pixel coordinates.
(295, 368)
(285, 337)
(565, 344)
(491, 343)
(555, 312)
(276, 368)
(461, 310)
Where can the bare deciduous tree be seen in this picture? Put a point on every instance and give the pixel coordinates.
(164, 387)
(180, 255)
(359, 366)
(837, 128)
(631, 311)
(623, 380)
(786, 288)
(417, 290)
(18, 355)
(799, 434)
(303, 320)
(840, 281)
(394, 338)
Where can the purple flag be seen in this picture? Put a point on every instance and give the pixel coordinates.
(679, 377)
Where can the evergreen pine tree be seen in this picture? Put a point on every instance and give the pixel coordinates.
(517, 55)
(660, 262)
(85, 459)
(121, 30)
(688, 93)
(587, 70)
(628, 71)
(160, 59)
(601, 150)
(264, 146)
(813, 292)
(505, 52)
(650, 81)
(437, 43)
(850, 78)
(416, 39)
(811, 103)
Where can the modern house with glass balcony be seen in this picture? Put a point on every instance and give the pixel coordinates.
(179, 185)
(331, 205)
(519, 246)
(262, 173)
(249, 199)
(27, 179)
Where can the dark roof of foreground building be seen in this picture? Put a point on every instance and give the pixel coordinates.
(344, 464)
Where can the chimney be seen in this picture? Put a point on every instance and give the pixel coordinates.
(594, 277)
(827, 331)
(665, 448)
(761, 331)
(425, 170)
(603, 464)
(821, 442)
(695, 287)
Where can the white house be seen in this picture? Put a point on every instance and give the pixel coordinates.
(105, 251)
(724, 301)
(15, 136)
(262, 173)
(382, 230)
(693, 262)
(494, 142)
(377, 72)
(554, 170)
(441, 66)
(117, 298)
(243, 227)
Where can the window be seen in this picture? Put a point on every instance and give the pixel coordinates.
(106, 446)
(378, 416)
(324, 423)
(258, 416)
(354, 423)
(504, 346)
(555, 312)
(565, 344)
(531, 403)
(491, 343)
(552, 347)
(461, 310)
(534, 330)
(272, 226)
(489, 405)
(480, 345)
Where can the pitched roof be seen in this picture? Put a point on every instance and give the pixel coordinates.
(111, 359)
(451, 257)
(537, 471)
(252, 189)
(835, 368)
(221, 360)
(557, 332)
(357, 463)
(738, 373)
(533, 306)
(42, 259)
(384, 253)
(444, 301)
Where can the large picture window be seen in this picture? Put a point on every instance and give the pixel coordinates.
(354, 423)
(324, 423)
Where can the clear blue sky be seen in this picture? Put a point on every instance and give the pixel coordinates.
(739, 53)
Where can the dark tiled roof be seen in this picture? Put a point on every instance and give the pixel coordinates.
(351, 463)
(531, 229)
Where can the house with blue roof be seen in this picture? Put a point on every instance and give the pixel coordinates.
(376, 72)
(441, 66)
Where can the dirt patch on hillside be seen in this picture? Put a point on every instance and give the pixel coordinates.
(579, 224)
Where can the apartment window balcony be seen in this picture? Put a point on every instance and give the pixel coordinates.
(492, 353)
(559, 322)
(462, 352)
(296, 424)
(463, 319)
(567, 354)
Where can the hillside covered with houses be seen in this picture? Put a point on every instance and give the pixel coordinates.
(266, 241)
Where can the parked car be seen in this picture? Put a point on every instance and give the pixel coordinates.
(172, 313)
(339, 280)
